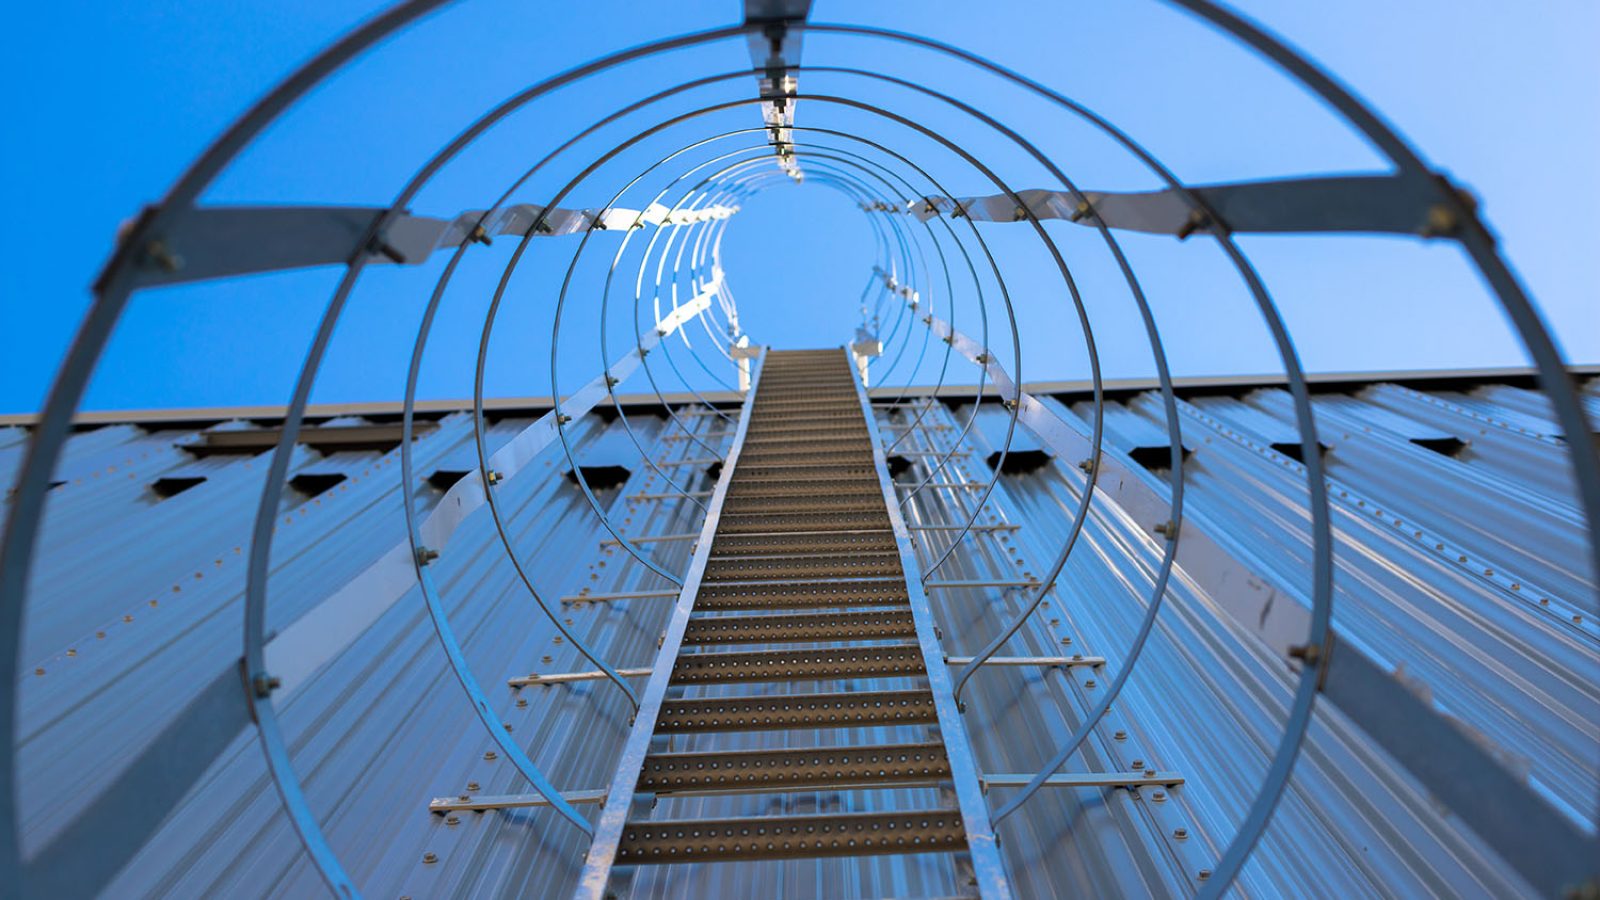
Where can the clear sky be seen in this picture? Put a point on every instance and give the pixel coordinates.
(109, 102)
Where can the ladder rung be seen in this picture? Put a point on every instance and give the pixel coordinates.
(877, 625)
(1143, 778)
(797, 665)
(835, 710)
(801, 596)
(792, 837)
(810, 767)
(840, 566)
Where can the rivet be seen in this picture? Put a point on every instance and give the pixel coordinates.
(1121, 736)
(452, 820)
(1138, 764)
(429, 859)
(1204, 874)
(472, 786)
(491, 756)
(1180, 833)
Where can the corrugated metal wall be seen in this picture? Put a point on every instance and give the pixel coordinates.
(1459, 560)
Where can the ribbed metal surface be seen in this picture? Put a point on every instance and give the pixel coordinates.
(1466, 566)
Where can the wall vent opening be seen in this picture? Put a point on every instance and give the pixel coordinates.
(1156, 457)
(445, 479)
(314, 483)
(600, 478)
(172, 487)
(1448, 446)
(1292, 449)
(1020, 462)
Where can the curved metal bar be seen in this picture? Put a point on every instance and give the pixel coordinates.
(1175, 439)
(112, 290)
(290, 791)
(1322, 578)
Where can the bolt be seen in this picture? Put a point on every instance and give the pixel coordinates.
(1204, 874)
(472, 786)
(452, 820)
(265, 684)
(1121, 736)
(1442, 221)
(426, 555)
(1159, 796)
(494, 477)
(522, 703)
(491, 756)
(429, 859)
(1306, 653)
(158, 253)
(1138, 764)
(1180, 833)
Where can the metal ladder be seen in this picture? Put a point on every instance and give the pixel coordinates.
(804, 544)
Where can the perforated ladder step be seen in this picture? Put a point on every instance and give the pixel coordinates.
(796, 711)
(745, 568)
(801, 596)
(878, 624)
(798, 665)
(810, 767)
(791, 837)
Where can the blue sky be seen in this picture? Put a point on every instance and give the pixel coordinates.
(111, 101)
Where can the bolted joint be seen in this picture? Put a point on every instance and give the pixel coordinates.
(982, 359)
(480, 235)
(1086, 465)
(426, 555)
(563, 418)
(1019, 214)
(1080, 212)
(381, 247)
(1166, 530)
(158, 253)
(542, 226)
(265, 684)
(1309, 654)
(612, 380)
(494, 477)
(1442, 222)
(1196, 221)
